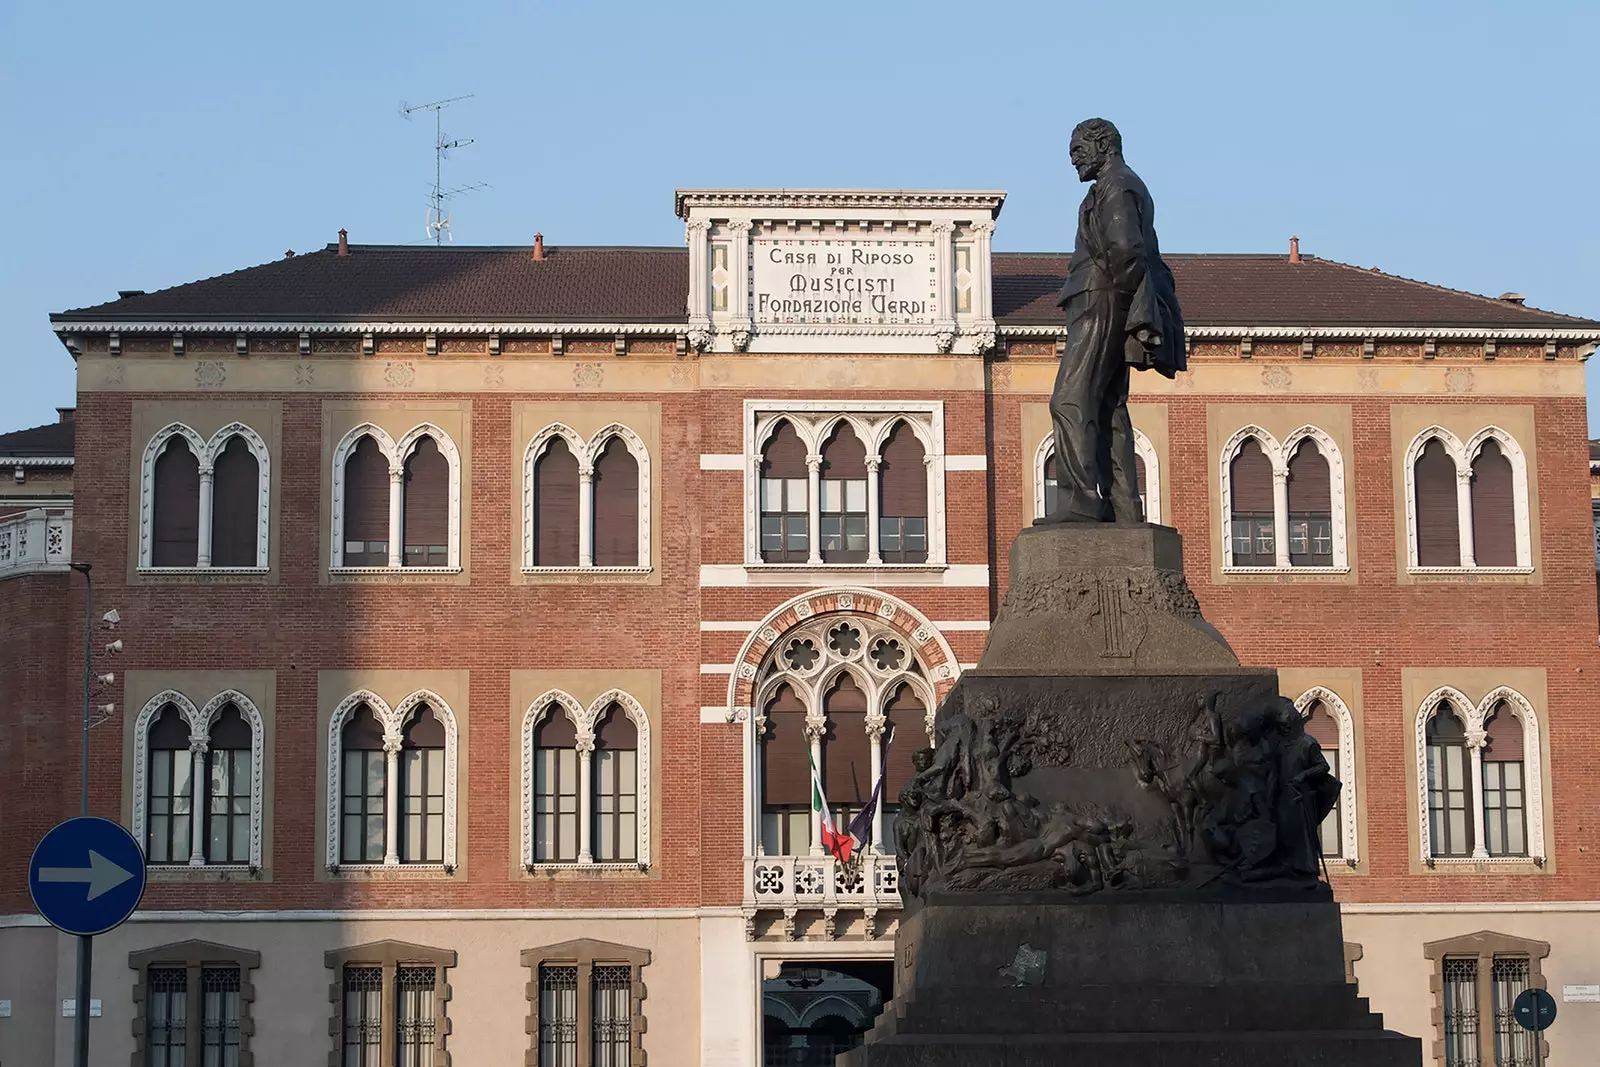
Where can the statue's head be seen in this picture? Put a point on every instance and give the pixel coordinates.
(1093, 142)
(922, 759)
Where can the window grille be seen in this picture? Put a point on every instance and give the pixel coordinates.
(613, 1015)
(166, 1016)
(1461, 1012)
(415, 1029)
(219, 1016)
(558, 1016)
(1513, 1046)
(363, 1016)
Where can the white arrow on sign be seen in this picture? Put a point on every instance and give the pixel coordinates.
(102, 875)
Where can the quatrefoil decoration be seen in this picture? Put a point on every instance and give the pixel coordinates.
(844, 639)
(887, 655)
(801, 655)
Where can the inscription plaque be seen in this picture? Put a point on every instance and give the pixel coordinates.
(866, 280)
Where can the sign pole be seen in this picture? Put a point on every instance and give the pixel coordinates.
(80, 1053)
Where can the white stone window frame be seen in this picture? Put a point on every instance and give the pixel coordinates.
(587, 452)
(1141, 448)
(200, 720)
(396, 452)
(206, 451)
(812, 686)
(872, 420)
(584, 720)
(1462, 454)
(1349, 834)
(1474, 716)
(1278, 453)
(393, 720)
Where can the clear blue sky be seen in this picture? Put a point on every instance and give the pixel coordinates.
(151, 144)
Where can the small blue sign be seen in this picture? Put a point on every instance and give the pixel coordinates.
(86, 876)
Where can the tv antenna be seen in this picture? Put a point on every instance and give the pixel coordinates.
(438, 222)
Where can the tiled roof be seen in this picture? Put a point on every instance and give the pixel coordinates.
(53, 439)
(412, 283)
(1594, 450)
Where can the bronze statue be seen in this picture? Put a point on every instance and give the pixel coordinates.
(1122, 311)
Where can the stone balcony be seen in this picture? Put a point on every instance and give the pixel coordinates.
(818, 898)
(37, 541)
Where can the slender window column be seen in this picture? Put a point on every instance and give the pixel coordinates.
(1475, 743)
(814, 506)
(814, 739)
(585, 799)
(874, 551)
(391, 801)
(875, 731)
(202, 556)
(197, 801)
(1280, 515)
(586, 516)
(397, 477)
(1464, 515)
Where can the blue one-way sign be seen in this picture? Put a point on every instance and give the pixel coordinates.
(86, 876)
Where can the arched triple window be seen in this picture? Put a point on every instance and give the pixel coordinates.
(1467, 503)
(862, 486)
(586, 503)
(396, 504)
(197, 795)
(1329, 722)
(1283, 503)
(585, 781)
(844, 698)
(204, 502)
(392, 782)
(1479, 777)
(1146, 472)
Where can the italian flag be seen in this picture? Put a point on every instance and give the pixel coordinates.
(839, 845)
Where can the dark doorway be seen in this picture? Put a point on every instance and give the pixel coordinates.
(817, 1009)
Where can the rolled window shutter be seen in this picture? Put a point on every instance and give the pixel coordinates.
(555, 730)
(230, 730)
(235, 506)
(905, 728)
(1438, 535)
(1445, 726)
(555, 529)
(1321, 725)
(1251, 478)
(616, 507)
(366, 493)
(1494, 517)
(1138, 474)
(1310, 484)
(844, 456)
(615, 730)
(1050, 467)
(904, 476)
(425, 513)
(423, 729)
(362, 731)
(1504, 735)
(175, 532)
(170, 730)
(785, 455)
(846, 749)
(785, 759)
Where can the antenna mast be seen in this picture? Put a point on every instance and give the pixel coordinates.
(438, 223)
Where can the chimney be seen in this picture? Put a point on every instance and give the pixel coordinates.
(538, 247)
(344, 241)
(65, 414)
(1513, 298)
(1294, 250)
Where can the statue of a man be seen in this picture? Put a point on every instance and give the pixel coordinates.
(1122, 312)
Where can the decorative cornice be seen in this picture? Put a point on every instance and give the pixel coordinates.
(663, 328)
(868, 199)
(1350, 332)
(35, 461)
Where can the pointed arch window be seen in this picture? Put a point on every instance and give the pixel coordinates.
(392, 779)
(843, 508)
(1146, 473)
(1481, 778)
(1283, 503)
(397, 504)
(555, 789)
(422, 788)
(1321, 726)
(847, 765)
(903, 525)
(203, 503)
(1449, 784)
(1310, 501)
(1467, 503)
(785, 495)
(586, 502)
(1252, 520)
(616, 506)
(198, 781)
(1505, 790)
(615, 805)
(555, 532)
(904, 731)
(785, 775)
(365, 796)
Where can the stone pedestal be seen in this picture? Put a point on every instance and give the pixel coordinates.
(1116, 859)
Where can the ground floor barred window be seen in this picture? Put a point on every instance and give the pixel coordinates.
(587, 1011)
(192, 1002)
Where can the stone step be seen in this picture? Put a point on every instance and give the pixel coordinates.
(1121, 1009)
(1304, 1048)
